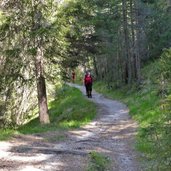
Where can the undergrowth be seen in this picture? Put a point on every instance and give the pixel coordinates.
(70, 109)
(98, 162)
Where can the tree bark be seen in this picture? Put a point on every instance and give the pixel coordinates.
(135, 40)
(95, 66)
(128, 69)
(41, 88)
(39, 68)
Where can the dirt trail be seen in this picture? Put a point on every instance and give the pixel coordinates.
(111, 133)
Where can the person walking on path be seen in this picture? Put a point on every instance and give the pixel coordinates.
(73, 76)
(88, 81)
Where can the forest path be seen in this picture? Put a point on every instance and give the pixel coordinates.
(111, 133)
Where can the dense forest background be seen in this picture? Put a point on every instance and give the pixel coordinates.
(43, 41)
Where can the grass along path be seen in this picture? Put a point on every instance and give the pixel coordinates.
(148, 107)
(68, 110)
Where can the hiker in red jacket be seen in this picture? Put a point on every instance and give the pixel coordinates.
(88, 84)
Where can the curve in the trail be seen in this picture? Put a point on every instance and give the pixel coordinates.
(111, 133)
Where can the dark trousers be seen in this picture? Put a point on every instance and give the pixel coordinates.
(89, 89)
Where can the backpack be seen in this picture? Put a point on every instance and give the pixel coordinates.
(88, 79)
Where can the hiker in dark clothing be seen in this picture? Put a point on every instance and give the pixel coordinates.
(88, 84)
(73, 76)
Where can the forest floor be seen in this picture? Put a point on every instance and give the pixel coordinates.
(112, 133)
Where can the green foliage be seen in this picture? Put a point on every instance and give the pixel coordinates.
(165, 64)
(142, 104)
(98, 162)
(156, 139)
(25, 26)
(70, 109)
(158, 133)
(74, 109)
(7, 133)
(78, 34)
(158, 32)
(151, 110)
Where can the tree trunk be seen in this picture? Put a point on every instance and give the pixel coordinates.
(135, 40)
(137, 44)
(41, 88)
(126, 43)
(39, 68)
(95, 66)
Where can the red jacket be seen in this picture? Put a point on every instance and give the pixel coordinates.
(88, 79)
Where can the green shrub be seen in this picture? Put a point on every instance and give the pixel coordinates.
(98, 162)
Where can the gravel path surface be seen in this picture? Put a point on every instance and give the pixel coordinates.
(111, 133)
